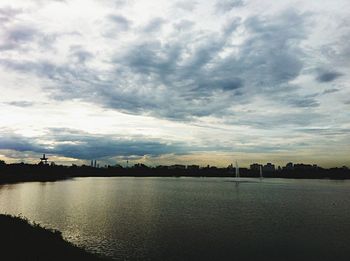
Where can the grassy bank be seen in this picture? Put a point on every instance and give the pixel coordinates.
(20, 240)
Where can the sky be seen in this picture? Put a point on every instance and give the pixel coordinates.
(175, 82)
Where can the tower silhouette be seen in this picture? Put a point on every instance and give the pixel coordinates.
(43, 160)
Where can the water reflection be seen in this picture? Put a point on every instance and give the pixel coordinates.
(192, 218)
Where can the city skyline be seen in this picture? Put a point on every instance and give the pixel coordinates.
(180, 82)
(44, 160)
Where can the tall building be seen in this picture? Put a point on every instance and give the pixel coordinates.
(193, 167)
(255, 166)
(269, 167)
(304, 166)
(289, 165)
(177, 166)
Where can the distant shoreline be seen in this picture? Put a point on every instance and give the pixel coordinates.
(14, 173)
(21, 240)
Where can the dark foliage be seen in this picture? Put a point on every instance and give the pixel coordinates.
(21, 240)
(10, 173)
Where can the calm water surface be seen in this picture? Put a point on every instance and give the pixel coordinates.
(192, 218)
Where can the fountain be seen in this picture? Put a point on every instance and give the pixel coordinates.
(237, 173)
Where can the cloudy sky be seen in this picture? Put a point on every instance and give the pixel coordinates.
(163, 82)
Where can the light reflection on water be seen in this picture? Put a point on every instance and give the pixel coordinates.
(192, 218)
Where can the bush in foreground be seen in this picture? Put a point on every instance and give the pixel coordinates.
(20, 240)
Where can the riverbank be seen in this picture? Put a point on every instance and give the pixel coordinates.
(21, 240)
(13, 173)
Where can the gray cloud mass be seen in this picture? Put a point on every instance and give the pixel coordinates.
(266, 68)
(328, 76)
(169, 86)
(80, 145)
(223, 6)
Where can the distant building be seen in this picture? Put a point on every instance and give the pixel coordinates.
(289, 165)
(118, 166)
(177, 166)
(255, 167)
(269, 167)
(193, 167)
(140, 166)
(303, 166)
(162, 167)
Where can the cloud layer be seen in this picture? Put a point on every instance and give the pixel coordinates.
(244, 70)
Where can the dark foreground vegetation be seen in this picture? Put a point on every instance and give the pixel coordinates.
(11, 173)
(20, 240)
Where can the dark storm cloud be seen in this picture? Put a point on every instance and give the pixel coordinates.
(151, 76)
(273, 52)
(98, 147)
(81, 145)
(9, 141)
(68, 77)
(189, 84)
(230, 84)
(328, 76)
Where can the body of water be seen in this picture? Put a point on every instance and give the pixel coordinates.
(192, 218)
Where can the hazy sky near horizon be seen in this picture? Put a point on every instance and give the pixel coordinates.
(162, 82)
